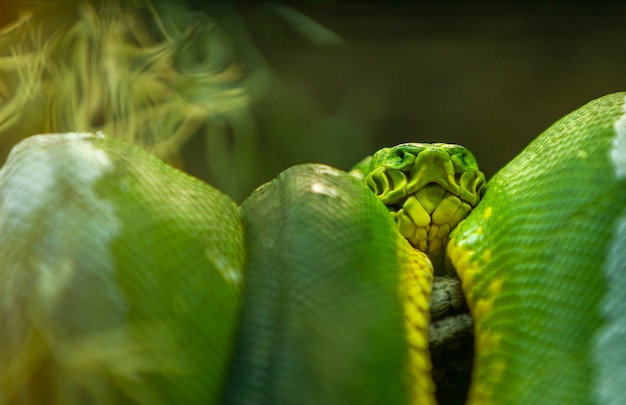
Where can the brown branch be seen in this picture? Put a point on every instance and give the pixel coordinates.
(451, 341)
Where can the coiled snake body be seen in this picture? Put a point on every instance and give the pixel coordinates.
(126, 281)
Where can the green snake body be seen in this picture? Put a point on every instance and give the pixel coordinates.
(543, 260)
(104, 304)
(127, 281)
(303, 311)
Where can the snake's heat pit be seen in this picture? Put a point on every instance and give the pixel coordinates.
(429, 189)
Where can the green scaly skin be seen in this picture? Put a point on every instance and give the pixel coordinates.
(539, 259)
(321, 320)
(147, 270)
(122, 278)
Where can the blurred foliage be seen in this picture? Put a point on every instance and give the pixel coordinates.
(148, 73)
(236, 92)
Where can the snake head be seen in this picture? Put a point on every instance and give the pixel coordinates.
(428, 188)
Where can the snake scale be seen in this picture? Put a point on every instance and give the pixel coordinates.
(127, 281)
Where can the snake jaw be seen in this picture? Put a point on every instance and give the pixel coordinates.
(429, 189)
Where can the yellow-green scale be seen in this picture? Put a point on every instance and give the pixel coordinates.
(531, 259)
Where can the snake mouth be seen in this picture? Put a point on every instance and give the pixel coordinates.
(428, 188)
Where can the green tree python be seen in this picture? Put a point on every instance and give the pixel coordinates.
(124, 280)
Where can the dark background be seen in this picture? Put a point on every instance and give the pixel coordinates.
(488, 75)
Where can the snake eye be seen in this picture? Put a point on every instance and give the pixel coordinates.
(400, 158)
(463, 159)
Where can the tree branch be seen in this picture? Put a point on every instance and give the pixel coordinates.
(451, 340)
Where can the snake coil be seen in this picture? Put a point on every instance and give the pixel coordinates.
(126, 281)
